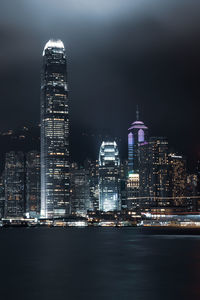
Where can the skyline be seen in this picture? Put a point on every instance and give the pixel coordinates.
(118, 57)
(100, 149)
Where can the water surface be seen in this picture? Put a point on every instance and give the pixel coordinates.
(99, 263)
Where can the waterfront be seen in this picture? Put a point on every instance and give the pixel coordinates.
(99, 263)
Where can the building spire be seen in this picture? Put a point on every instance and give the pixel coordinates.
(137, 113)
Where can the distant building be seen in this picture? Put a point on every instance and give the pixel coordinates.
(133, 189)
(14, 184)
(198, 184)
(191, 192)
(154, 174)
(144, 171)
(2, 195)
(159, 185)
(109, 177)
(123, 183)
(80, 191)
(33, 184)
(137, 137)
(54, 132)
(177, 169)
(93, 170)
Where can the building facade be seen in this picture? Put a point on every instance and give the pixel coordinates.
(54, 132)
(137, 135)
(80, 191)
(137, 138)
(178, 179)
(33, 184)
(2, 194)
(109, 177)
(14, 184)
(159, 176)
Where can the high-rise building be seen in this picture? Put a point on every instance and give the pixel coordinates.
(80, 191)
(137, 138)
(159, 185)
(144, 171)
(33, 184)
(177, 165)
(14, 184)
(2, 194)
(93, 169)
(109, 177)
(198, 184)
(192, 193)
(162, 177)
(137, 135)
(54, 132)
(123, 183)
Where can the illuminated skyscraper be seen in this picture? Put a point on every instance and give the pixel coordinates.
(137, 138)
(33, 184)
(2, 194)
(80, 191)
(177, 165)
(54, 132)
(159, 186)
(93, 168)
(14, 184)
(109, 177)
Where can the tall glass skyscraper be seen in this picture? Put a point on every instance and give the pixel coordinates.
(137, 139)
(32, 166)
(109, 177)
(14, 184)
(54, 132)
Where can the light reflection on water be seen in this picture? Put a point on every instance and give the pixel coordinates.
(99, 263)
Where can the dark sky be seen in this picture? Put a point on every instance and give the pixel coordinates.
(120, 53)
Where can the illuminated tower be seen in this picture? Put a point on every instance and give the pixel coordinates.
(54, 132)
(159, 181)
(14, 184)
(137, 139)
(177, 166)
(32, 166)
(109, 177)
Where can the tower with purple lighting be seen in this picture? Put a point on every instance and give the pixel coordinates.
(137, 136)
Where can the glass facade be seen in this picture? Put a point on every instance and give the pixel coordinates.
(32, 184)
(80, 191)
(109, 177)
(14, 184)
(137, 136)
(137, 139)
(159, 187)
(54, 132)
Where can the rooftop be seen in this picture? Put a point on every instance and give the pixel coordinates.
(53, 44)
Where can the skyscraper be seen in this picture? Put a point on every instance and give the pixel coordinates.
(54, 132)
(93, 169)
(2, 194)
(109, 177)
(159, 186)
(80, 191)
(14, 184)
(178, 176)
(33, 184)
(137, 138)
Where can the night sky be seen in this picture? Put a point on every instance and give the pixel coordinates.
(120, 53)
